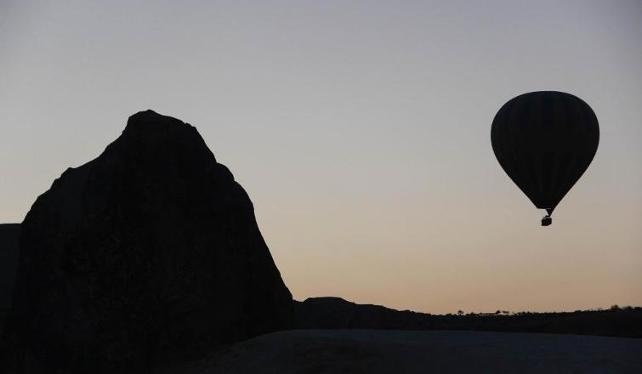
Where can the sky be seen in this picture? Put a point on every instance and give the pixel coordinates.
(360, 130)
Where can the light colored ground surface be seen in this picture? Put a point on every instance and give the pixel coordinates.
(379, 351)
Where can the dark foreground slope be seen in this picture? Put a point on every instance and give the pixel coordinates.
(9, 234)
(337, 313)
(147, 254)
(393, 351)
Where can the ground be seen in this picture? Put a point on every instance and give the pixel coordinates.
(381, 351)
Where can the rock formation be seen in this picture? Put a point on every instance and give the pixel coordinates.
(337, 313)
(147, 254)
(8, 258)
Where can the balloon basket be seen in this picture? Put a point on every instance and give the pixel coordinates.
(547, 220)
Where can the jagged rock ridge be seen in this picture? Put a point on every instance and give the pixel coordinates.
(148, 253)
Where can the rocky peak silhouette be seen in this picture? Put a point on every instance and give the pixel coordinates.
(148, 253)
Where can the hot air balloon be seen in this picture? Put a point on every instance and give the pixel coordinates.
(545, 141)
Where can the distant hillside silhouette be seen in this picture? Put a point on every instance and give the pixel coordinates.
(337, 313)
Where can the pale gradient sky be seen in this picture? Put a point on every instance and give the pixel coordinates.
(360, 129)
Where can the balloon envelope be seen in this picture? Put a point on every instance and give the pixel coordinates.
(545, 141)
